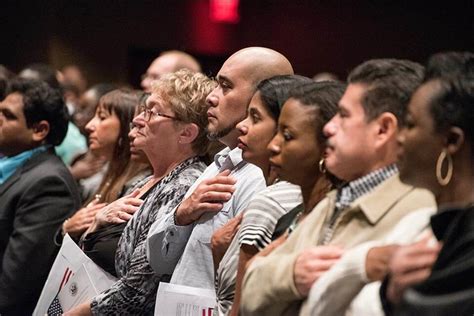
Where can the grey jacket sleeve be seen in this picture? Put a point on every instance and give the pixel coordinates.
(165, 244)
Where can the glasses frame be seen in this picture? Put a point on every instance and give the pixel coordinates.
(148, 113)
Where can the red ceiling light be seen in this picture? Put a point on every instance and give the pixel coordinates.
(226, 11)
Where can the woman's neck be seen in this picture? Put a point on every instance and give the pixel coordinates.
(162, 167)
(457, 193)
(264, 165)
(313, 194)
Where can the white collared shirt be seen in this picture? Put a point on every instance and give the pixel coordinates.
(191, 244)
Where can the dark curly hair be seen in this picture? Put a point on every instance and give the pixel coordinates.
(41, 102)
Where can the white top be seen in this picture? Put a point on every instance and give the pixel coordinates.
(191, 244)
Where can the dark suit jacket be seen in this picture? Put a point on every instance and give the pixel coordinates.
(34, 202)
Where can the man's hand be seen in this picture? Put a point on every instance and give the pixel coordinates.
(119, 211)
(222, 238)
(312, 263)
(410, 265)
(376, 263)
(209, 196)
(82, 219)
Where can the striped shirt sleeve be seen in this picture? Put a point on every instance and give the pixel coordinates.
(264, 211)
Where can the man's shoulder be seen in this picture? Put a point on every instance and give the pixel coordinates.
(43, 176)
(43, 172)
(46, 164)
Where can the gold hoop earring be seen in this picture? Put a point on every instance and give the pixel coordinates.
(322, 167)
(439, 165)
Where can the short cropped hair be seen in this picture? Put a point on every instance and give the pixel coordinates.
(452, 100)
(452, 104)
(186, 92)
(451, 63)
(390, 84)
(42, 102)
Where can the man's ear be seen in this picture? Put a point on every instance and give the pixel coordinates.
(386, 126)
(40, 131)
(188, 133)
(454, 139)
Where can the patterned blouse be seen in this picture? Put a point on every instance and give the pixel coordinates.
(135, 291)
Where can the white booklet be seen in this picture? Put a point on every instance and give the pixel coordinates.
(73, 279)
(180, 300)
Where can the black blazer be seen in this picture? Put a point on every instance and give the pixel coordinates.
(34, 202)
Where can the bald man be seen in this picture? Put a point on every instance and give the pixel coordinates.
(226, 186)
(168, 62)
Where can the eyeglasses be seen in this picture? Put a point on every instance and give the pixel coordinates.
(148, 113)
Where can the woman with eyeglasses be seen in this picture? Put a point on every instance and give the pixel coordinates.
(171, 132)
(100, 244)
(108, 137)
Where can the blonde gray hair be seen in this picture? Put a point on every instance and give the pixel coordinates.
(186, 92)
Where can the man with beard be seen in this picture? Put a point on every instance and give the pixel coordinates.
(226, 186)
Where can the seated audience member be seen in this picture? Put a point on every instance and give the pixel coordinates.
(88, 169)
(270, 204)
(73, 75)
(108, 138)
(256, 130)
(438, 155)
(315, 183)
(168, 62)
(361, 150)
(100, 244)
(74, 143)
(361, 266)
(37, 192)
(172, 134)
(185, 233)
(87, 104)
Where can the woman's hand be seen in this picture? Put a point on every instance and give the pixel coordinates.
(376, 262)
(222, 238)
(82, 219)
(411, 265)
(117, 212)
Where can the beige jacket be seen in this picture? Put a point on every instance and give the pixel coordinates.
(269, 288)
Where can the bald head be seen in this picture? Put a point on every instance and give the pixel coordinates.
(168, 62)
(259, 63)
(238, 79)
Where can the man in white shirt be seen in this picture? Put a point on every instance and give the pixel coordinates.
(226, 186)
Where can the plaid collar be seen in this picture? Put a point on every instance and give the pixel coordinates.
(356, 188)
